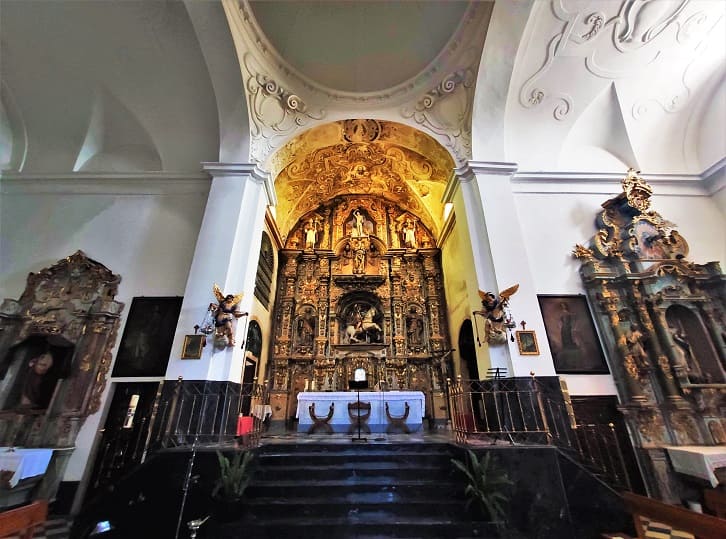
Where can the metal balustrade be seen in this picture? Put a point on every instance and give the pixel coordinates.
(518, 411)
(210, 414)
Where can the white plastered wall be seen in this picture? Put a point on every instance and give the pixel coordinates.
(146, 236)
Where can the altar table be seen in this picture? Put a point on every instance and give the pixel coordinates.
(698, 460)
(24, 463)
(377, 421)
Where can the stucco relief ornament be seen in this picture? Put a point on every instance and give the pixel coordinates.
(446, 111)
(274, 111)
(595, 21)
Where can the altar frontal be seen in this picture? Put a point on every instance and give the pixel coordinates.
(377, 411)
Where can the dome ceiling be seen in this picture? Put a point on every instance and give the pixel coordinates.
(361, 157)
(359, 46)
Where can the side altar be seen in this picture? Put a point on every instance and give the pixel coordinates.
(321, 412)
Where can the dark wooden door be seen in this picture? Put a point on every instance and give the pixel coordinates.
(123, 437)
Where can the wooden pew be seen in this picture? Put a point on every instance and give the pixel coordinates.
(716, 501)
(680, 519)
(23, 520)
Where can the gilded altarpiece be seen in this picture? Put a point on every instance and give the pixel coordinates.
(662, 318)
(55, 352)
(360, 285)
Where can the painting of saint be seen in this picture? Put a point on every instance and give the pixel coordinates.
(571, 335)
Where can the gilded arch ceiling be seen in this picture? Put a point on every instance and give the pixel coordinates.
(361, 157)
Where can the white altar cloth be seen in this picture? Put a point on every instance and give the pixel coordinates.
(23, 462)
(377, 422)
(698, 460)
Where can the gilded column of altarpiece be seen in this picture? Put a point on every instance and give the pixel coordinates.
(662, 320)
(360, 285)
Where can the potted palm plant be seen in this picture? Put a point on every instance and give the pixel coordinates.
(487, 487)
(228, 490)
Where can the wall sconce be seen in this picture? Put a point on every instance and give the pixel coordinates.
(498, 320)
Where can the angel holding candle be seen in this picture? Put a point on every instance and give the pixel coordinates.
(226, 313)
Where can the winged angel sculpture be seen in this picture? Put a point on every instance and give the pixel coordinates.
(494, 312)
(225, 314)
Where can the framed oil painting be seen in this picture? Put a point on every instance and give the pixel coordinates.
(527, 342)
(571, 335)
(148, 335)
(193, 345)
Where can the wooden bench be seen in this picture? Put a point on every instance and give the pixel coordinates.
(715, 500)
(23, 520)
(654, 519)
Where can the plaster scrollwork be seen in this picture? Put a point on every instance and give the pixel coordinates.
(532, 95)
(595, 21)
(687, 32)
(641, 21)
(446, 110)
(637, 29)
(275, 112)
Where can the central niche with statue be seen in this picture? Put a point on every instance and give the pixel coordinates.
(360, 286)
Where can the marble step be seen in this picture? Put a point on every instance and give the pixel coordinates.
(372, 503)
(369, 525)
(308, 458)
(411, 489)
(352, 470)
(348, 447)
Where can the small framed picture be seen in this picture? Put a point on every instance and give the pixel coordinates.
(193, 345)
(527, 341)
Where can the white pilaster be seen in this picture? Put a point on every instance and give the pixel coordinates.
(226, 253)
(501, 259)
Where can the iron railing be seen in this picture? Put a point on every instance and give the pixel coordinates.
(211, 414)
(520, 411)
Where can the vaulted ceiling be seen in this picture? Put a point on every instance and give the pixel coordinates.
(551, 85)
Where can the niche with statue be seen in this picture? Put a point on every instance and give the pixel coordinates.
(55, 351)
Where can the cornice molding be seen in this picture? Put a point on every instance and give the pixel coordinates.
(244, 170)
(605, 183)
(108, 183)
(493, 167)
(714, 177)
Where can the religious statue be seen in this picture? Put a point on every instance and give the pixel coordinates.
(493, 310)
(38, 386)
(693, 370)
(225, 314)
(306, 330)
(358, 231)
(414, 329)
(634, 341)
(311, 234)
(361, 326)
(359, 261)
(409, 234)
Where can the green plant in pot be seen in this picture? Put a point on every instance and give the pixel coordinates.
(234, 477)
(488, 487)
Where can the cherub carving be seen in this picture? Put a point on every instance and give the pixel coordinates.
(226, 313)
(493, 309)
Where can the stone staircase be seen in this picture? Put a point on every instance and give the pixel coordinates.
(337, 491)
